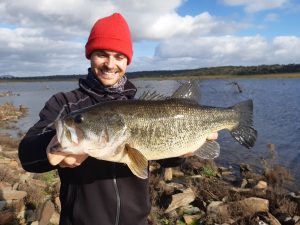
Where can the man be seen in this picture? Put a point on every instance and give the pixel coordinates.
(92, 191)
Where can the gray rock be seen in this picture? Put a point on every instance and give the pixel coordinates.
(12, 195)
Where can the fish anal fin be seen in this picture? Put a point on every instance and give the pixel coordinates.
(209, 150)
(138, 164)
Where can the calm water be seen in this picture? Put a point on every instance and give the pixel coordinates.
(276, 113)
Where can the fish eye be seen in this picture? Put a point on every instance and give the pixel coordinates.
(78, 118)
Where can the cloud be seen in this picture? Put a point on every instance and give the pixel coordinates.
(256, 5)
(24, 51)
(222, 51)
(272, 17)
(48, 36)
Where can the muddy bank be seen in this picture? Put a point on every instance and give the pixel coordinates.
(10, 113)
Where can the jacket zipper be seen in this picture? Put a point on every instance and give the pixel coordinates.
(117, 195)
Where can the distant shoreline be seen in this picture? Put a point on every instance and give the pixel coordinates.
(224, 77)
(164, 77)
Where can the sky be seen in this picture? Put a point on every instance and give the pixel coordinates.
(47, 37)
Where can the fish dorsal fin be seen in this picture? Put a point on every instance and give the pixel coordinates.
(147, 95)
(138, 164)
(189, 90)
(209, 150)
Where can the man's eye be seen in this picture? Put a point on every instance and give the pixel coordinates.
(121, 57)
(100, 55)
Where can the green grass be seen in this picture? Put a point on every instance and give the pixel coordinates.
(208, 171)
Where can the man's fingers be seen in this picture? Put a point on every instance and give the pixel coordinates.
(55, 159)
(212, 136)
(72, 161)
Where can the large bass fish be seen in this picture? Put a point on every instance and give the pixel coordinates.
(151, 128)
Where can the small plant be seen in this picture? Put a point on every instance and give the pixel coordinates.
(208, 171)
(164, 221)
(48, 177)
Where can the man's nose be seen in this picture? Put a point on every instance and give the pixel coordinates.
(110, 62)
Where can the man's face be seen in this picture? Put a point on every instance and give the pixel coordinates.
(108, 66)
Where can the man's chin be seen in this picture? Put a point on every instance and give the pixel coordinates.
(108, 81)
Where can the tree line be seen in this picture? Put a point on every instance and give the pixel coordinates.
(206, 71)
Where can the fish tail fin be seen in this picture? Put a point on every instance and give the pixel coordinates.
(244, 132)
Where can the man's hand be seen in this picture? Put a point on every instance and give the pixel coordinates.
(63, 159)
(210, 137)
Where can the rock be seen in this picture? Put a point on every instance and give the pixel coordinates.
(5, 186)
(13, 164)
(245, 167)
(177, 173)
(296, 219)
(222, 169)
(57, 203)
(46, 213)
(170, 188)
(271, 147)
(15, 186)
(189, 209)
(214, 207)
(241, 190)
(181, 199)
(55, 218)
(2, 205)
(168, 174)
(227, 173)
(261, 185)
(191, 219)
(25, 177)
(244, 183)
(12, 195)
(271, 220)
(295, 196)
(5, 161)
(239, 209)
(6, 217)
(198, 176)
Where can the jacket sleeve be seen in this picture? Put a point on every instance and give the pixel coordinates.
(32, 148)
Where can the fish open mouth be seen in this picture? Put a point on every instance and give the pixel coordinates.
(59, 129)
(66, 132)
(71, 134)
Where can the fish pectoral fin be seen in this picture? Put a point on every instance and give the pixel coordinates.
(138, 164)
(209, 150)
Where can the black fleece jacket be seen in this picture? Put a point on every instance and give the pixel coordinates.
(96, 192)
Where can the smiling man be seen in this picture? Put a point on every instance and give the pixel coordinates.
(92, 191)
(108, 66)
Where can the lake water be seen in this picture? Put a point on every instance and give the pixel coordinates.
(276, 113)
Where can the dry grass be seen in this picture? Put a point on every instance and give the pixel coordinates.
(7, 175)
(9, 112)
(9, 142)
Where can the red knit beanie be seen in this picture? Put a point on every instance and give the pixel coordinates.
(110, 33)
